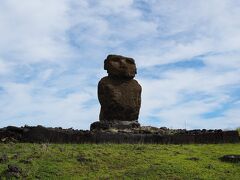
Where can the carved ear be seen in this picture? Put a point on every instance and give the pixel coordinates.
(135, 65)
(106, 64)
(132, 60)
(106, 61)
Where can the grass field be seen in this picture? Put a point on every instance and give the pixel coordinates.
(124, 161)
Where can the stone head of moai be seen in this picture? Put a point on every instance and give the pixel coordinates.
(118, 93)
(120, 67)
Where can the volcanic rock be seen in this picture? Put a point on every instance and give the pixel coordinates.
(119, 95)
(230, 158)
(4, 158)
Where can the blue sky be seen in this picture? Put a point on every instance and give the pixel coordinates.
(187, 53)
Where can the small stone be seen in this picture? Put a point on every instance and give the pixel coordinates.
(210, 166)
(82, 159)
(38, 177)
(164, 128)
(26, 161)
(4, 158)
(193, 159)
(117, 125)
(13, 171)
(16, 156)
(8, 140)
(230, 158)
(14, 168)
(44, 147)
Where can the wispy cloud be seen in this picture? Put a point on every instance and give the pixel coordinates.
(188, 57)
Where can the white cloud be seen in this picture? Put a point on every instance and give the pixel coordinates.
(185, 95)
(223, 61)
(4, 67)
(27, 104)
(61, 46)
(34, 30)
(188, 28)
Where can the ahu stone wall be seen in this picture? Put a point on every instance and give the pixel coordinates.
(40, 134)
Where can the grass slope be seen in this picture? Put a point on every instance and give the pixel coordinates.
(113, 161)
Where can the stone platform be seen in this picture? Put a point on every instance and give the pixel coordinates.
(40, 134)
(121, 125)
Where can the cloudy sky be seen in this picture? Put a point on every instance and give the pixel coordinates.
(187, 53)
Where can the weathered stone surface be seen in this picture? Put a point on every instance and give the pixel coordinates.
(14, 168)
(12, 172)
(118, 93)
(118, 125)
(120, 67)
(40, 134)
(120, 99)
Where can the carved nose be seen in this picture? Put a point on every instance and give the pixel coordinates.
(123, 63)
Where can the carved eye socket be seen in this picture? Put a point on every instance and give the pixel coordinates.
(129, 61)
(115, 62)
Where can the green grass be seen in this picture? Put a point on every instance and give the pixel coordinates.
(124, 161)
(238, 129)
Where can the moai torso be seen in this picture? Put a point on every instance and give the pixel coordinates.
(118, 93)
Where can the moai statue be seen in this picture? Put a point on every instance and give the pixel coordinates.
(119, 95)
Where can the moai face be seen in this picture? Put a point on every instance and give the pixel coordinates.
(120, 66)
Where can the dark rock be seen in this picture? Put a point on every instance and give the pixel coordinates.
(119, 94)
(105, 125)
(14, 129)
(210, 166)
(9, 140)
(144, 134)
(26, 161)
(82, 159)
(16, 156)
(195, 131)
(13, 171)
(230, 158)
(4, 158)
(41, 134)
(14, 168)
(151, 130)
(193, 159)
(10, 134)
